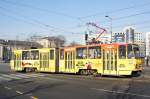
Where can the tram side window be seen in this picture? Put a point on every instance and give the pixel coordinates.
(35, 55)
(25, 55)
(12, 56)
(122, 51)
(133, 51)
(136, 51)
(94, 52)
(81, 53)
(52, 54)
(62, 54)
(130, 52)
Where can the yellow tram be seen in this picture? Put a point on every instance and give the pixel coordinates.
(105, 59)
(42, 60)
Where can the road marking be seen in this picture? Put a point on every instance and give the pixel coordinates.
(24, 75)
(18, 75)
(3, 78)
(9, 76)
(7, 88)
(101, 78)
(31, 75)
(19, 92)
(33, 97)
(120, 92)
(55, 79)
(35, 75)
(146, 76)
(124, 79)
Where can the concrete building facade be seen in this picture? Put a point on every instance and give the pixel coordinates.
(7, 46)
(129, 35)
(48, 42)
(147, 41)
(118, 37)
(140, 40)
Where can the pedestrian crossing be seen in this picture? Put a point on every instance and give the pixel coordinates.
(18, 76)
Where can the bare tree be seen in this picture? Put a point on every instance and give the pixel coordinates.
(54, 41)
(61, 40)
(73, 43)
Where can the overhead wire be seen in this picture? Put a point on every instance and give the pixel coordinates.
(80, 18)
(117, 10)
(122, 17)
(131, 24)
(17, 19)
(25, 17)
(42, 9)
(37, 22)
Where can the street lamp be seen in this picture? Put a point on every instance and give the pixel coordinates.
(110, 26)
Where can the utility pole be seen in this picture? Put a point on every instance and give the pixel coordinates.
(16, 41)
(110, 27)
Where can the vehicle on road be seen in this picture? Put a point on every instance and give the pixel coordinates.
(105, 59)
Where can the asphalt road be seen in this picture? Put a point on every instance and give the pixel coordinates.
(16, 85)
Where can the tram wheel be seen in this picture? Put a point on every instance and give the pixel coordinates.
(35, 70)
(83, 72)
(27, 70)
(95, 73)
(136, 74)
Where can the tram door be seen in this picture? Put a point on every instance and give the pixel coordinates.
(17, 61)
(70, 61)
(109, 61)
(44, 61)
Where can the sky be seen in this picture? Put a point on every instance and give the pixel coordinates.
(20, 19)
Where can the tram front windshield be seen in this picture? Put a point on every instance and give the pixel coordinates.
(133, 51)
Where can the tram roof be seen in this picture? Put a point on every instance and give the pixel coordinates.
(96, 45)
(33, 49)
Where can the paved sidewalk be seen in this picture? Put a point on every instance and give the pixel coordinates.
(5, 67)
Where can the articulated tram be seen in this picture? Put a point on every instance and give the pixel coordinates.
(105, 59)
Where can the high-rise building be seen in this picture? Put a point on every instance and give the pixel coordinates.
(118, 37)
(140, 40)
(129, 34)
(147, 41)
